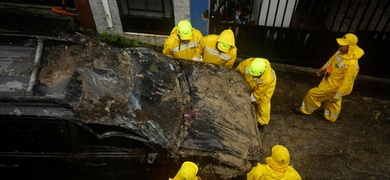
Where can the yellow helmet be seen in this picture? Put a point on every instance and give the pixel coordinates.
(348, 39)
(184, 28)
(223, 46)
(187, 171)
(257, 67)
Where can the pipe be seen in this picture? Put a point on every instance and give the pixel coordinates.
(37, 62)
(107, 13)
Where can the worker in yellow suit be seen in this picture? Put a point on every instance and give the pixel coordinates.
(277, 167)
(217, 49)
(182, 41)
(262, 81)
(339, 75)
(187, 171)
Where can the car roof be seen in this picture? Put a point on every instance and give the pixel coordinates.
(16, 64)
(18, 76)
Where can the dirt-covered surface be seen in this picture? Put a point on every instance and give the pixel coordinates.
(192, 110)
(356, 146)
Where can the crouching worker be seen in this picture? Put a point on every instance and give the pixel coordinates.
(182, 41)
(187, 171)
(262, 81)
(217, 49)
(277, 167)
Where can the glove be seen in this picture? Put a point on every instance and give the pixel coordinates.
(200, 59)
(253, 99)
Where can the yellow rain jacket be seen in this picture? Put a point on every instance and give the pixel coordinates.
(338, 82)
(262, 88)
(208, 52)
(175, 48)
(265, 172)
(187, 171)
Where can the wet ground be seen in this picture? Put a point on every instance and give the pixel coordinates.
(356, 146)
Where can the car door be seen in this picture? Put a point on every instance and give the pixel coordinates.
(109, 152)
(34, 146)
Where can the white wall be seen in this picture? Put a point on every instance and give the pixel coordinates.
(99, 16)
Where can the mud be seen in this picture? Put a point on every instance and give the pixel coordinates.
(199, 111)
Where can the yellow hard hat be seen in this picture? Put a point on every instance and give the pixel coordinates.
(223, 46)
(280, 158)
(348, 39)
(184, 28)
(257, 67)
(187, 171)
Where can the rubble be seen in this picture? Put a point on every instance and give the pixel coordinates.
(188, 109)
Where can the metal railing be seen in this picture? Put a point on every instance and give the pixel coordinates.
(303, 32)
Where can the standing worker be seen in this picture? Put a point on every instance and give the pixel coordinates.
(187, 171)
(182, 41)
(217, 49)
(277, 167)
(339, 75)
(262, 81)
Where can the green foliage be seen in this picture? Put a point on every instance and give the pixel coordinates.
(158, 48)
(115, 39)
(122, 41)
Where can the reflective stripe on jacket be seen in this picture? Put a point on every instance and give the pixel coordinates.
(175, 48)
(262, 87)
(210, 53)
(342, 70)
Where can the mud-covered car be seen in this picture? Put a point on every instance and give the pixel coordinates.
(127, 101)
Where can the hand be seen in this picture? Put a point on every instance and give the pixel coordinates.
(200, 59)
(320, 72)
(333, 100)
(253, 99)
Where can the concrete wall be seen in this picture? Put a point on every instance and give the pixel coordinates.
(152, 39)
(181, 11)
(101, 21)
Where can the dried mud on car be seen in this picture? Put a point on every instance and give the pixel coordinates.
(191, 110)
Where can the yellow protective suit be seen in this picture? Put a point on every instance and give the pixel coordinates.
(338, 82)
(277, 167)
(262, 88)
(175, 48)
(208, 52)
(187, 171)
(265, 172)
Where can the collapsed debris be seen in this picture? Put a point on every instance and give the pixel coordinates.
(189, 109)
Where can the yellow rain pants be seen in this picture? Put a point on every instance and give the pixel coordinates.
(313, 99)
(338, 82)
(262, 88)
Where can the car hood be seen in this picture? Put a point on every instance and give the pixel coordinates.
(189, 109)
